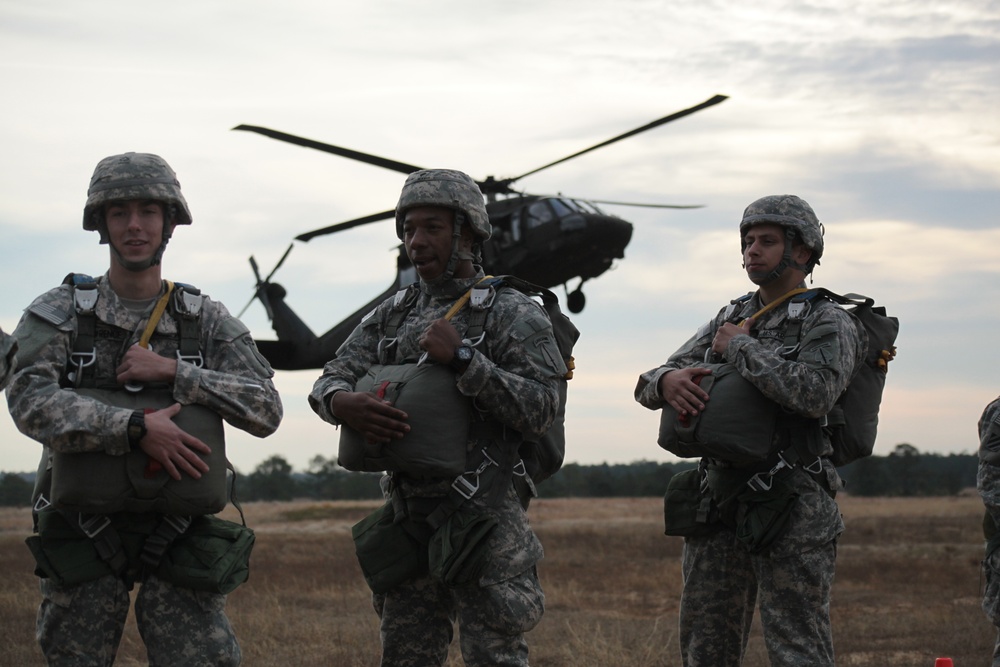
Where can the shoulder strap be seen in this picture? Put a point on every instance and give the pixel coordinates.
(187, 304)
(84, 352)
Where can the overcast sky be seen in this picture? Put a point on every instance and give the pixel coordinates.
(883, 115)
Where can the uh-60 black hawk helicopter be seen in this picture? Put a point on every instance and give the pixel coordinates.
(547, 240)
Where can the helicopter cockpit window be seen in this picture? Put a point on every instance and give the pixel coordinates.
(569, 214)
(587, 207)
(563, 206)
(538, 214)
(515, 226)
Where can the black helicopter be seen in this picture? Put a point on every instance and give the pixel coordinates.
(547, 240)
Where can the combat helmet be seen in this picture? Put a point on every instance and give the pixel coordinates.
(135, 176)
(796, 217)
(452, 189)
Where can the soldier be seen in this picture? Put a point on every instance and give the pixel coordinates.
(733, 561)
(507, 381)
(8, 357)
(988, 482)
(84, 352)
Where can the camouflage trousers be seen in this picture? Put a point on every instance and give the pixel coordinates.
(722, 582)
(991, 597)
(81, 626)
(418, 620)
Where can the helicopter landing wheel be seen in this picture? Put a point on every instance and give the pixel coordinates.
(576, 300)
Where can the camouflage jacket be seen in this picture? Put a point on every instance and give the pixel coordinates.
(235, 380)
(988, 478)
(831, 347)
(510, 378)
(8, 357)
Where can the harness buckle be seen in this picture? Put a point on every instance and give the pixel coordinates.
(462, 484)
(85, 298)
(764, 481)
(41, 504)
(476, 341)
(93, 524)
(197, 360)
(519, 468)
(815, 468)
(797, 310)
(481, 298)
(177, 523)
(83, 359)
(188, 303)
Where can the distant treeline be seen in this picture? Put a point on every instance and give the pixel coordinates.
(903, 472)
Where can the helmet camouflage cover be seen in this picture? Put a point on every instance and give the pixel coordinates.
(448, 188)
(134, 176)
(789, 212)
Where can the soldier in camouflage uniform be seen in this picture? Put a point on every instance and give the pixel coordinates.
(988, 482)
(134, 202)
(781, 241)
(511, 377)
(8, 357)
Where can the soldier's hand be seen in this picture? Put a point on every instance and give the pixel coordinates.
(142, 365)
(725, 333)
(680, 389)
(373, 417)
(440, 339)
(173, 447)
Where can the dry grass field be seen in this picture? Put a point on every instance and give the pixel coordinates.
(907, 588)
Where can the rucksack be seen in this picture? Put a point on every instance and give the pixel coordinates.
(543, 457)
(853, 422)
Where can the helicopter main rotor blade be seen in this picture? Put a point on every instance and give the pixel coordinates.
(630, 203)
(656, 123)
(386, 163)
(340, 226)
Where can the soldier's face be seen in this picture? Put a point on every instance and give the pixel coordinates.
(427, 237)
(764, 248)
(135, 227)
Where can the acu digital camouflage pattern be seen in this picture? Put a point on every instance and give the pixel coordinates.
(515, 381)
(787, 211)
(134, 176)
(793, 577)
(988, 483)
(180, 627)
(235, 381)
(444, 187)
(8, 357)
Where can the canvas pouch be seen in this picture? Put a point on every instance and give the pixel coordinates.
(212, 555)
(387, 552)
(459, 549)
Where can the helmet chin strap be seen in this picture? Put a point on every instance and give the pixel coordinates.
(137, 267)
(456, 253)
(760, 278)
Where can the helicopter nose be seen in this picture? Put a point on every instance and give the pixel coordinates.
(617, 234)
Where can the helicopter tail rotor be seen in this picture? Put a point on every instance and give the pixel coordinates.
(261, 291)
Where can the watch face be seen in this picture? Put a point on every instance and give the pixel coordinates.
(464, 353)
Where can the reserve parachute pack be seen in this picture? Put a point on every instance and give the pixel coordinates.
(742, 426)
(95, 482)
(543, 457)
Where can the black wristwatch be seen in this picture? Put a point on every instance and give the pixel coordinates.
(462, 359)
(136, 428)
